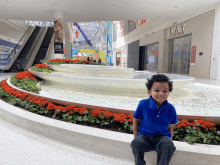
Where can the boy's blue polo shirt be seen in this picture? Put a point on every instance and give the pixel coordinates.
(155, 120)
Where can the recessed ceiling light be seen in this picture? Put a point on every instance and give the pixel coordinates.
(176, 6)
(106, 18)
(114, 5)
(55, 3)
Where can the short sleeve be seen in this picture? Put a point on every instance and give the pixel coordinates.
(138, 113)
(174, 117)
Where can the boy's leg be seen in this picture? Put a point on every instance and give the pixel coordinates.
(165, 149)
(140, 145)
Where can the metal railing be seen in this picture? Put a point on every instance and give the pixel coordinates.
(50, 48)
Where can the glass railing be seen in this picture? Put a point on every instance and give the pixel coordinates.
(4, 53)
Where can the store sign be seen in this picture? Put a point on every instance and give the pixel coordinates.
(193, 56)
(177, 30)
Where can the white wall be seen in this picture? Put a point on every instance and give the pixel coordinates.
(12, 30)
(200, 27)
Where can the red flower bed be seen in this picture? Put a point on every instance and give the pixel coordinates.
(207, 125)
(41, 66)
(25, 74)
(68, 109)
(69, 61)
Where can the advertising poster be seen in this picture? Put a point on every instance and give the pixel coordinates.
(121, 28)
(110, 31)
(58, 38)
(193, 56)
(131, 25)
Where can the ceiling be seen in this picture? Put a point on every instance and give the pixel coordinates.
(100, 10)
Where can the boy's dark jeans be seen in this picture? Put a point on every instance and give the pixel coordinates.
(163, 145)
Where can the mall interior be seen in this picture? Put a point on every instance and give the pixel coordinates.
(126, 42)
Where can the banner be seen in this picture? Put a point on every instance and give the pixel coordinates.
(193, 56)
(110, 31)
(75, 52)
(58, 47)
(58, 39)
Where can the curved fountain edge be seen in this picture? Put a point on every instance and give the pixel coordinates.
(114, 110)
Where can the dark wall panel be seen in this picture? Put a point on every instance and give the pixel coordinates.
(133, 55)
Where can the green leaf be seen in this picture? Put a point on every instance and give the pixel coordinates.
(106, 123)
(85, 118)
(200, 133)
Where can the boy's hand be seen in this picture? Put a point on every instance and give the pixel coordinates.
(170, 128)
(135, 127)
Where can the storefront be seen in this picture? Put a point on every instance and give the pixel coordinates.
(184, 48)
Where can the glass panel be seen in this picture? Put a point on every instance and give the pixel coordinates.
(181, 55)
(132, 25)
(118, 58)
(176, 57)
(151, 57)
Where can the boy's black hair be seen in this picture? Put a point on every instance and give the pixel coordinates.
(159, 78)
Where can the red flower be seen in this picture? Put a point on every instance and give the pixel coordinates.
(50, 106)
(24, 75)
(41, 66)
(130, 118)
(120, 117)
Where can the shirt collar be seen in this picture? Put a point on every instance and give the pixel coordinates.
(154, 106)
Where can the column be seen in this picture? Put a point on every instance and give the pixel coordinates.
(215, 57)
(125, 27)
(59, 37)
(67, 46)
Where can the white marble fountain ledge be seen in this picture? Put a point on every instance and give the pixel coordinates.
(205, 102)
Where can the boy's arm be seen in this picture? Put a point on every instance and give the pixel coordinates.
(170, 128)
(135, 127)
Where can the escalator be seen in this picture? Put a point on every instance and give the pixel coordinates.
(34, 49)
(44, 46)
(25, 51)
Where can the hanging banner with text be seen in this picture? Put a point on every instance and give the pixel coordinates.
(193, 56)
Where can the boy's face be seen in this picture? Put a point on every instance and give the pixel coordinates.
(159, 92)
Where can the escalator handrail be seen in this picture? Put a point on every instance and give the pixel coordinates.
(23, 60)
(44, 25)
(18, 41)
(50, 45)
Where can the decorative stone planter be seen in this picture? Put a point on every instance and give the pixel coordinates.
(103, 142)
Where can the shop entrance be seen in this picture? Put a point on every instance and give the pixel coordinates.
(179, 56)
(118, 58)
(151, 57)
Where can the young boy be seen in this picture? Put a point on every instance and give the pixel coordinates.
(156, 117)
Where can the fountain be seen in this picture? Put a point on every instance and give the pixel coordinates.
(111, 80)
